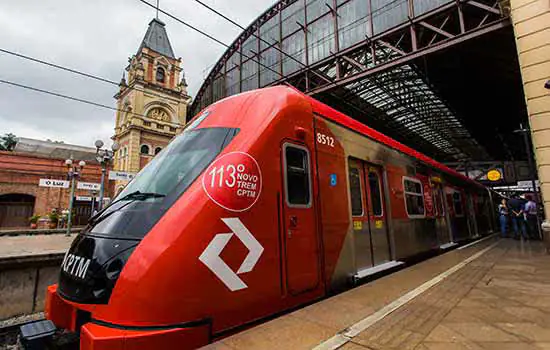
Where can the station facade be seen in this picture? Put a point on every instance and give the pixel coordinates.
(531, 20)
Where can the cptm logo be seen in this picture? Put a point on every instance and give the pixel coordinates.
(211, 255)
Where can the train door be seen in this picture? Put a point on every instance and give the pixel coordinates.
(360, 216)
(442, 227)
(368, 212)
(377, 215)
(471, 215)
(302, 262)
(458, 220)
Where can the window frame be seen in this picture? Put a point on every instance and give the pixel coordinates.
(163, 74)
(405, 192)
(360, 193)
(286, 145)
(148, 149)
(380, 193)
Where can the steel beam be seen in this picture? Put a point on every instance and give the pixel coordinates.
(405, 59)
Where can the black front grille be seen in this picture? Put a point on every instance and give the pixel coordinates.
(93, 281)
(82, 317)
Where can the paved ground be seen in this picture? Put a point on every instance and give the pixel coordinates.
(18, 246)
(500, 300)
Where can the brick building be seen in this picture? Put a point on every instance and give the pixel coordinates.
(32, 160)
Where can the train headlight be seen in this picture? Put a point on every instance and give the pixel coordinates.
(103, 286)
(114, 268)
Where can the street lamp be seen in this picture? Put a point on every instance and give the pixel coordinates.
(104, 157)
(73, 173)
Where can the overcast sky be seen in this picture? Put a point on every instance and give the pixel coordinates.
(97, 37)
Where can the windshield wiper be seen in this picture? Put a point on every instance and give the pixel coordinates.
(132, 196)
(138, 195)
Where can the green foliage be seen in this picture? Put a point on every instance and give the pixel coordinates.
(54, 217)
(34, 219)
(8, 142)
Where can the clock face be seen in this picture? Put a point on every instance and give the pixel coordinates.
(158, 114)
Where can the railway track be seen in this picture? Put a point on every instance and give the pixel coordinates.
(9, 330)
(8, 337)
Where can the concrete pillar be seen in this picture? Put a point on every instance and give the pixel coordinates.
(531, 19)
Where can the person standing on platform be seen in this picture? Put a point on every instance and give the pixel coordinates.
(531, 217)
(516, 206)
(503, 216)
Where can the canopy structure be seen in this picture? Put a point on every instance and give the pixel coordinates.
(55, 150)
(440, 76)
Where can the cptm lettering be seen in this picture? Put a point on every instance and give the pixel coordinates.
(75, 265)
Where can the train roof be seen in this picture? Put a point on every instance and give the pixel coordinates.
(350, 123)
(337, 117)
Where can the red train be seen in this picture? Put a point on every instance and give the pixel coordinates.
(268, 200)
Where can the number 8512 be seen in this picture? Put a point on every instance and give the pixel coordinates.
(325, 140)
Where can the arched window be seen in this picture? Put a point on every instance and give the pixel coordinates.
(160, 75)
(144, 149)
(157, 150)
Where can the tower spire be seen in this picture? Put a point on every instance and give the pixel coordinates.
(156, 39)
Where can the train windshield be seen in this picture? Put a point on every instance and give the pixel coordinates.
(179, 164)
(159, 184)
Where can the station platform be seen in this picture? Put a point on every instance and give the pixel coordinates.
(494, 294)
(33, 245)
(28, 264)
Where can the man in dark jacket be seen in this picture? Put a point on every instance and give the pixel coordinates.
(516, 206)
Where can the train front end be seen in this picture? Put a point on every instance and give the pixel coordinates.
(186, 250)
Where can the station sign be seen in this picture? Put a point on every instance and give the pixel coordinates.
(90, 186)
(89, 199)
(121, 175)
(53, 183)
(494, 175)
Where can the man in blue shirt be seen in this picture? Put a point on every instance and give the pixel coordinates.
(516, 206)
(531, 216)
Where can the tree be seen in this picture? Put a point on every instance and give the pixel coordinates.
(8, 142)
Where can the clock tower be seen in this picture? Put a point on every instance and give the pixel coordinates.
(152, 102)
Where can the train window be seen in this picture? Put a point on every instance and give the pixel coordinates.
(457, 204)
(375, 193)
(414, 197)
(297, 176)
(355, 191)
